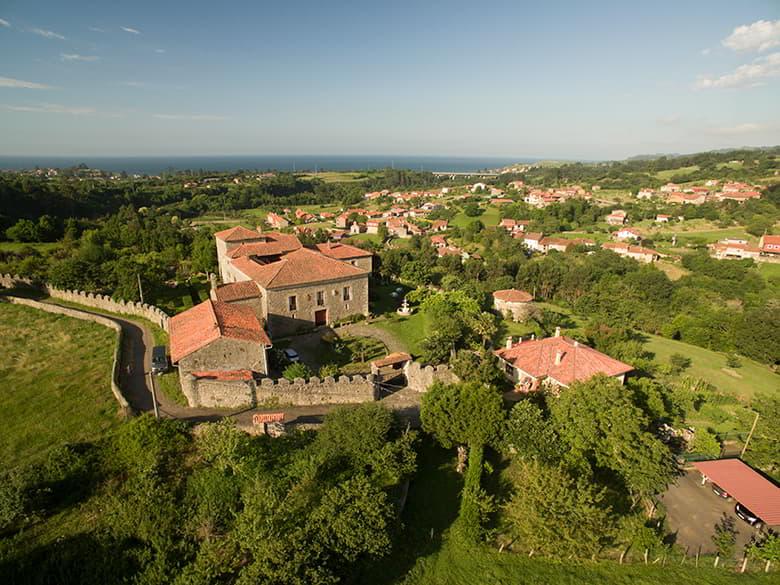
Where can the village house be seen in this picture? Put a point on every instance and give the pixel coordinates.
(217, 342)
(514, 225)
(438, 242)
(617, 217)
(501, 201)
(734, 249)
(738, 196)
(555, 363)
(637, 253)
(662, 218)
(516, 185)
(276, 221)
(670, 188)
(549, 244)
(645, 194)
(440, 225)
(298, 287)
(628, 233)
(686, 198)
(532, 241)
(513, 304)
(303, 216)
(770, 245)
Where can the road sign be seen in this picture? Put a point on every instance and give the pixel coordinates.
(267, 417)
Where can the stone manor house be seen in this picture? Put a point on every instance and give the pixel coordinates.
(273, 286)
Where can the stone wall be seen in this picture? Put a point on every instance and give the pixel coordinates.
(240, 394)
(97, 301)
(100, 320)
(419, 377)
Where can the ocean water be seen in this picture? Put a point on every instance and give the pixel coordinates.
(153, 165)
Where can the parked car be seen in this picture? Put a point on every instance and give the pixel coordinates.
(159, 359)
(292, 355)
(747, 515)
(720, 491)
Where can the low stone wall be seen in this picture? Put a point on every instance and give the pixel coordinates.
(100, 320)
(210, 393)
(97, 301)
(419, 377)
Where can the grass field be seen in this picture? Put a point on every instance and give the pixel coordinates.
(336, 177)
(409, 330)
(55, 378)
(743, 382)
(491, 217)
(666, 175)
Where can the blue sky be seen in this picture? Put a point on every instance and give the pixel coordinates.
(561, 79)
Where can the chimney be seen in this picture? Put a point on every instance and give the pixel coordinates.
(213, 280)
(533, 336)
(509, 342)
(559, 356)
(557, 332)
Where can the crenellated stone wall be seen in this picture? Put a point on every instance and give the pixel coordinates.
(419, 377)
(97, 301)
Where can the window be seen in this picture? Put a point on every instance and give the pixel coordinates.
(353, 262)
(320, 298)
(347, 293)
(292, 302)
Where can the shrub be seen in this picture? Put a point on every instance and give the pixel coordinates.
(329, 370)
(297, 370)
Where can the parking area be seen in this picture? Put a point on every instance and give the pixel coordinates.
(693, 510)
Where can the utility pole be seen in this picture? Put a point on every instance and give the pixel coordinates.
(750, 436)
(154, 396)
(140, 290)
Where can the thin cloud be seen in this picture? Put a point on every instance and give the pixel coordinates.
(21, 84)
(51, 109)
(758, 36)
(672, 120)
(47, 34)
(739, 129)
(5, 23)
(193, 117)
(159, 51)
(77, 57)
(97, 29)
(750, 75)
(705, 52)
(132, 31)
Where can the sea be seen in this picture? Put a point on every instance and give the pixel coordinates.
(155, 165)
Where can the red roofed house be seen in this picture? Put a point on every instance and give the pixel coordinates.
(735, 248)
(617, 217)
(628, 233)
(634, 252)
(298, 287)
(440, 225)
(555, 362)
(549, 244)
(220, 348)
(276, 221)
(770, 245)
(532, 240)
(513, 303)
(438, 242)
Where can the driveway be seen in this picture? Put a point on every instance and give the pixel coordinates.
(693, 510)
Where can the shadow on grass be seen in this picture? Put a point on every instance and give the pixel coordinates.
(431, 508)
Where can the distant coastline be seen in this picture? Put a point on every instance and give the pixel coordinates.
(154, 165)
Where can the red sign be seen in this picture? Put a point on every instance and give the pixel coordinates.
(267, 417)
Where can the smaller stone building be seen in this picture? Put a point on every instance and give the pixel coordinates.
(218, 344)
(513, 303)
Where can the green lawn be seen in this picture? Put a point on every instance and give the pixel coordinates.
(409, 330)
(337, 176)
(491, 217)
(666, 175)
(744, 382)
(55, 377)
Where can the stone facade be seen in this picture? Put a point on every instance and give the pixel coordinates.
(226, 354)
(209, 393)
(513, 310)
(282, 321)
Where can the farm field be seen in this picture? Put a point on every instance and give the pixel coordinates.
(667, 175)
(55, 375)
(336, 176)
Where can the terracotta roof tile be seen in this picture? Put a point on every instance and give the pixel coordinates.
(299, 267)
(578, 362)
(273, 244)
(342, 251)
(238, 234)
(197, 327)
(237, 291)
(513, 295)
(391, 359)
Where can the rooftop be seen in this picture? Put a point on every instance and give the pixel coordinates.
(578, 362)
(238, 234)
(197, 327)
(513, 295)
(342, 251)
(238, 291)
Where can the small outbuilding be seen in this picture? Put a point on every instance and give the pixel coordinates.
(513, 303)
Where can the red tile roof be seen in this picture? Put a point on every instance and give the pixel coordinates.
(747, 486)
(225, 375)
(534, 236)
(238, 234)
(302, 266)
(273, 244)
(197, 327)
(238, 291)
(342, 251)
(397, 357)
(578, 362)
(513, 295)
